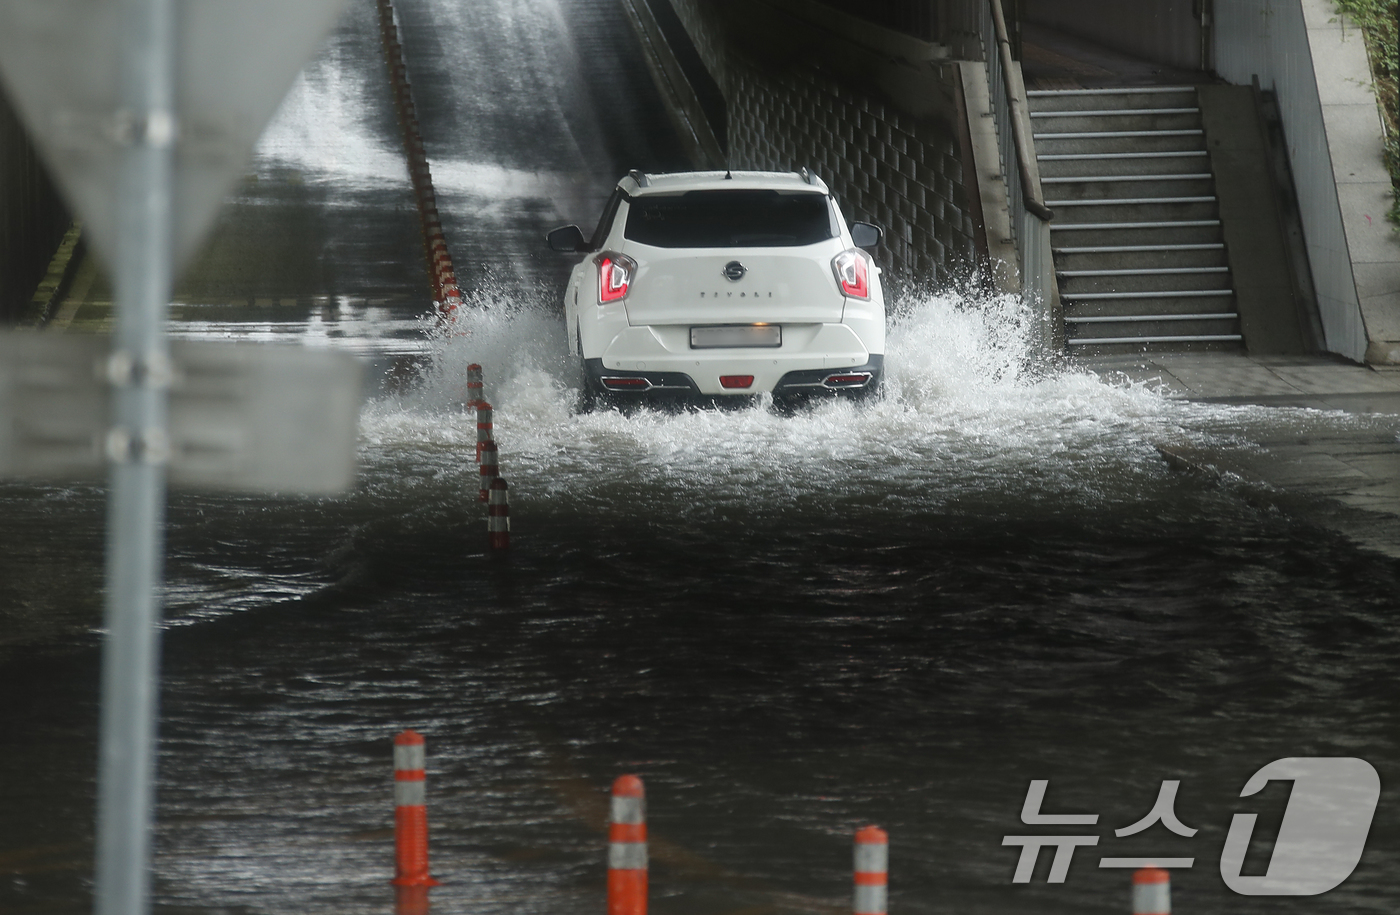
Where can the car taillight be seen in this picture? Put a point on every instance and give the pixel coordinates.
(847, 379)
(615, 272)
(736, 381)
(852, 273)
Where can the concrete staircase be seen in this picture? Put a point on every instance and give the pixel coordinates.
(1138, 246)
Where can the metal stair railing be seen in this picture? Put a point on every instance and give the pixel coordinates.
(1025, 199)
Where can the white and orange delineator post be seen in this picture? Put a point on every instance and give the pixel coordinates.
(1152, 891)
(410, 812)
(498, 515)
(627, 848)
(489, 457)
(872, 870)
(485, 428)
(476, 390)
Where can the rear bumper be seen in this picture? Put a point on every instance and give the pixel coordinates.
(852, 379)
(664, 350)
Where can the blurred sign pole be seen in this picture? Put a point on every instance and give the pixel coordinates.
(146, 111)
(137, 446)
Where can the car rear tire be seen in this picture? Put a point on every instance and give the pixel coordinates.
(591, 395)
(588, 394)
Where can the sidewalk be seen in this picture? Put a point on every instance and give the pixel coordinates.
(1349, 481)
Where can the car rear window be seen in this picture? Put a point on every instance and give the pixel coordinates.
(729, 219)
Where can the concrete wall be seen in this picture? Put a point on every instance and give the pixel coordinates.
(913, 17)
(1316, 63)
(883, 165)
(882, 135)
(706, 29)
(1167, 31)
(33, 219)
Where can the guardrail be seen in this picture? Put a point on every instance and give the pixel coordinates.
(1011, 102)
(442, 277)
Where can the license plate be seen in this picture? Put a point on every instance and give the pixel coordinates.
(736, 335)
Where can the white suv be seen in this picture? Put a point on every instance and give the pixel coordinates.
(724, 283)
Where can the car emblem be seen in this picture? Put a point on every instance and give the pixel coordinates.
(734, 271)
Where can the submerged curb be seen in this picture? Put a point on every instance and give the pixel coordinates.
(58, 278)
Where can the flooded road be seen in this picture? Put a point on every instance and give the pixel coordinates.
(789, 625)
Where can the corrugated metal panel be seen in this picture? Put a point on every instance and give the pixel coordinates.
(1269, 38)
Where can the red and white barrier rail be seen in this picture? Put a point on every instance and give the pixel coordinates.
(410, 812)
(447, 297)
(627, 848)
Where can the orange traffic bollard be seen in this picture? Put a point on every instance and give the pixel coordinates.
(872, 870)
(498, 515)
(410, 812)
(627, 848)
(1152, 891)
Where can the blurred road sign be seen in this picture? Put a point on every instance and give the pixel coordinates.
(243, 416)
(261, 417)
(146, 111)
(52, 408)
(60, 62)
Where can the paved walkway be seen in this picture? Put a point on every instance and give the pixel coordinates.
(1349, 481)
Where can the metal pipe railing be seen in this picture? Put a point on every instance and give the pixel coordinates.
(1001, 121)
(1030, 189)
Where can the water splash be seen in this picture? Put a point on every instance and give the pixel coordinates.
(962, 414)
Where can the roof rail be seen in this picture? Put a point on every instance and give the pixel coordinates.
(806, 175)
(638, 176)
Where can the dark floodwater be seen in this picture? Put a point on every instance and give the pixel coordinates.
(788, 625)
